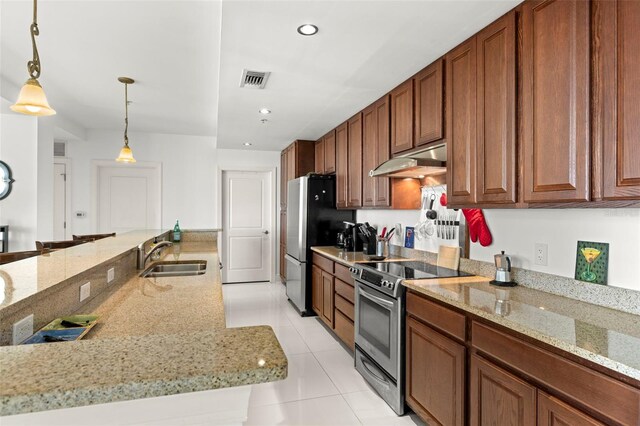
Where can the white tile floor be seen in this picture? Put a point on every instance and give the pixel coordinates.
(322, 387)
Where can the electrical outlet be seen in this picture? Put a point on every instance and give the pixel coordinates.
(22, 329)
(85, 291)
(541, 253)
(111, 274)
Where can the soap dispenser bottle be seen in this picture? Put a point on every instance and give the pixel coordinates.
(176, 232)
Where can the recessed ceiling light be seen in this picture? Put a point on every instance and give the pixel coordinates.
(307, 29)
(264, 111)
(247, 144)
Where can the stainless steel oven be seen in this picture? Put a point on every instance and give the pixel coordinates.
(379, 335)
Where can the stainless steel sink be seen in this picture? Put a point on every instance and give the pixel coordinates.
(175, 269)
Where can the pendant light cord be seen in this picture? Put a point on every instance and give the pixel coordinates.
(33, 66)
(126, 115)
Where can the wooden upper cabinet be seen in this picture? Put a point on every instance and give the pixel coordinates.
(619, 63)
(555, 100)
(292, 169)
(498, 397)
(383, 149)
(319, 156)
(369, 154)
(402, 117)
(342, 164)
(354, 169)
(461, 123)
(283, 179)
(496, 112)
(330, 152)
(376, 191)
(435, 374)
(429, 105)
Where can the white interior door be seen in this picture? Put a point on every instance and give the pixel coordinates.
(246, 215)
(129, 197)
(59, 201)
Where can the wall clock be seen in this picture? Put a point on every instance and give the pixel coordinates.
(5, 180)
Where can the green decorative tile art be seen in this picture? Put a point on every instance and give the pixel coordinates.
(592, 262)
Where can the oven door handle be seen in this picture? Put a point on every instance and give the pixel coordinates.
(376, 299)
(373, 374)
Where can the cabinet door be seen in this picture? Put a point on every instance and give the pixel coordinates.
(354, 168)
(383, 121)
(316, 289)
(461, 123)
(620, 56)
(327, 298)
(283, 179)
(498, 397)
(496, 118)
(292, 170)
(369, 155)
(342, 165)
(429, 117)
(319, 156)
(435, 375)
(553, 412)
(330, 152)
(555, 100)
(402, 117)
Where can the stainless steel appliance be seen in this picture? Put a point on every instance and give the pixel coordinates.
(312, 220)
(503, 270)
(379, 322)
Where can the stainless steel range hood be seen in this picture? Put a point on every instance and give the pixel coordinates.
(429, 162)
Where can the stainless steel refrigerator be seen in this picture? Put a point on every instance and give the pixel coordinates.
(312, 220)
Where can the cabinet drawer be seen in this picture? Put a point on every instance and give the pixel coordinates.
(323, 263)
(615, 400)
(345, 306)
(344, 329)
(437, 316)
(342, 272)
(345, 290)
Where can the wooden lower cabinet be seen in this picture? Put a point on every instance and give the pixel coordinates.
(497, 397)
(316, 289)
(283, 263)
(327, 298)
(553, 412)
(332, 297)
(435, 375)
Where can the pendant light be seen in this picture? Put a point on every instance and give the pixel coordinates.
(126, 156)
(32, 100)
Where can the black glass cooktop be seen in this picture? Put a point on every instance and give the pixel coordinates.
(412, 270)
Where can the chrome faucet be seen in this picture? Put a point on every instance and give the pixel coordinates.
(143, 257)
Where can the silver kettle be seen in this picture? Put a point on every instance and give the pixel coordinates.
(503, 268)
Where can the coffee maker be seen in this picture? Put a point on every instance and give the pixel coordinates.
(345, 238)
(503, 271)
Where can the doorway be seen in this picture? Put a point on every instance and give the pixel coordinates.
(127, 196)
(61, 200)
(247, 216)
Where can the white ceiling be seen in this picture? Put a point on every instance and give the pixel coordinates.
(188, 65)
(171, 49)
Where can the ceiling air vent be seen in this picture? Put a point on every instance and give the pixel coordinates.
(59, 149)
(254, 79)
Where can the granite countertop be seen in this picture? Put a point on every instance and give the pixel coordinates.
(155, 337)
(604, 336)
(349, 257)
(40, 274)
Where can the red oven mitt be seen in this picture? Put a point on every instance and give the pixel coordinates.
(476, 222)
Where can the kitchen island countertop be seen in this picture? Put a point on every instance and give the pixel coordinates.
(155, 337)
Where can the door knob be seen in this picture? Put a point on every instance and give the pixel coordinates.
(265, 232)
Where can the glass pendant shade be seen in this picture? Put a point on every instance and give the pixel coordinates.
(126, 156)
(32, 100)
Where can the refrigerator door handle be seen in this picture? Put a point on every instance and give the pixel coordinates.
(293, 260)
